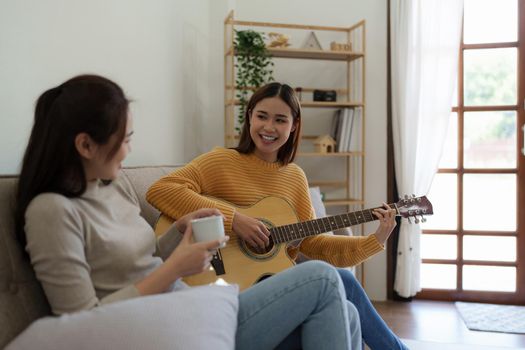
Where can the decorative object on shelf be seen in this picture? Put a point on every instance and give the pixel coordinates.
(312, 43)
(324, 144)
(340, 46)
(254, 66)
(278, 40)
(325, 95)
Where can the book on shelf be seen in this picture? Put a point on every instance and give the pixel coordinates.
(354, 145)
(343, 135)
(334, 129)
(342, 130)
(350, 128)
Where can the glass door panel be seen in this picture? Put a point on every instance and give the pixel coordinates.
(439, 247)
(489, 248)
(490, 139)
(438, 276)
(489, 278)
(490, 77)
(489, 202)
(483, 23)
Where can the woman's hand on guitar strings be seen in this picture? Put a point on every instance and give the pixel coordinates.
(387, 222)
(251, 230)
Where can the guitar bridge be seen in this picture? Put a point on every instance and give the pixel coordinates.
(218, 264)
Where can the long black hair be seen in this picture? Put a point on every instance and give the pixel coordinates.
(84, 104)
(288, 151)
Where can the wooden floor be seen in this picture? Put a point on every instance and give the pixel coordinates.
(439, 322)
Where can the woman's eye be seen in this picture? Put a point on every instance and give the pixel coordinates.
(261, 116)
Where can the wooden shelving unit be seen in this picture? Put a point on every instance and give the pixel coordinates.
(350, 96)
(311, 54)
(314, 104)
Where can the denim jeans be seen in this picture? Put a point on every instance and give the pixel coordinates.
(302, 307)
(376, 333)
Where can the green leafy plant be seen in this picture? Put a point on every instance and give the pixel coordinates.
(254, 66)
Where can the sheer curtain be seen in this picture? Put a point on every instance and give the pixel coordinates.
(425, 37)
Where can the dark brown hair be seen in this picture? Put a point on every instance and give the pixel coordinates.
(85, 104)
(288, 151)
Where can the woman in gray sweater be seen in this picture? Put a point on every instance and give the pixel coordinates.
(89, 246)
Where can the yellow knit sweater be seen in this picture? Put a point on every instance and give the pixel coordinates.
(244, 179)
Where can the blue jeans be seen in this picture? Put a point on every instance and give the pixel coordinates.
(302, 307)
(376, 333)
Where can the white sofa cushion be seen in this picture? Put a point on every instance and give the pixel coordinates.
(195, 318)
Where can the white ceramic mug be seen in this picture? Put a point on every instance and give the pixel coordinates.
(208, 229)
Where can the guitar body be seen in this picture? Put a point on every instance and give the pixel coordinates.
(243, 265)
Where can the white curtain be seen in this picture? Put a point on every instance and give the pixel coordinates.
(425, 37)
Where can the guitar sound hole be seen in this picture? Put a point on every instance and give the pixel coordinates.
(262, 278)
(260, 251)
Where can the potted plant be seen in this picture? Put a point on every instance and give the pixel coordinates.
(254, 66)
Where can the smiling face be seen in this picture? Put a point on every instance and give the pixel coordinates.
(271, 123)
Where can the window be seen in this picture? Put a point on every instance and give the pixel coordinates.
(473, 248)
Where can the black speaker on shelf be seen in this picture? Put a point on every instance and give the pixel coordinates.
(325, 95)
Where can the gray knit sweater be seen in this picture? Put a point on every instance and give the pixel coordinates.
(92, 249)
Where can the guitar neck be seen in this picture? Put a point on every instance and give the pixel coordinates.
(292, 232)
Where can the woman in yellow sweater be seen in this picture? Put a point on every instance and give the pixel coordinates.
(261, 166)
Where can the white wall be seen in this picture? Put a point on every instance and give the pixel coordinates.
(168, 57)
(158, 51)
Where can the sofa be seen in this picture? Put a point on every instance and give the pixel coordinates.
(22, 299)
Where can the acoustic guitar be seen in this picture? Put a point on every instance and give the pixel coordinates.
(245, 265)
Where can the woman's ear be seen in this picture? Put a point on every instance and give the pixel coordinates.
(85, 146)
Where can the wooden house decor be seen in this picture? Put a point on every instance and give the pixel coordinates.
(324, 144)
(312, 43)
(340, 47)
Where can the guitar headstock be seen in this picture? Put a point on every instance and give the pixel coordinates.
(413, 207)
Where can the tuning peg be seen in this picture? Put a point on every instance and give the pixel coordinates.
(408, 219)
(423, 219)
(416, 220)
(413, 195)
(406, 196)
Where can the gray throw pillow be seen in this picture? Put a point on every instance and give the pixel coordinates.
(195, 318)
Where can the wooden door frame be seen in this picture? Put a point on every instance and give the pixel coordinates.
(521, 143)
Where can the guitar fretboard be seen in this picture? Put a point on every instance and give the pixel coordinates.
(292, 232)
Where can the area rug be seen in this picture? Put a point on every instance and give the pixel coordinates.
(493, 318)
(427, 345)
